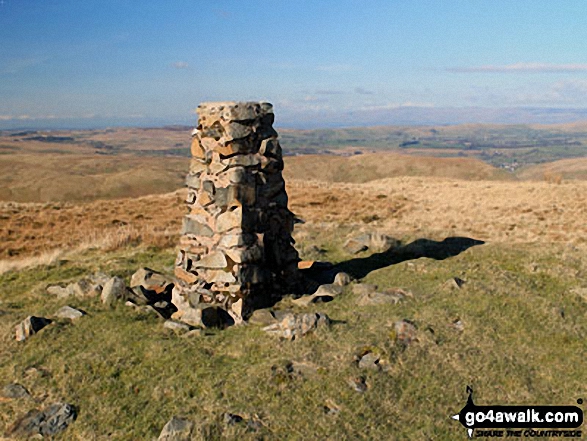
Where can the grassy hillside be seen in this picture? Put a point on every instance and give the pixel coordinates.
(564, 169)
(65, 177)
(369, 167)
(59, 177)
(522, 341)
(521, 311)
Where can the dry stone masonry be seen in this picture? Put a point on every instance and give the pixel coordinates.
(236, 249)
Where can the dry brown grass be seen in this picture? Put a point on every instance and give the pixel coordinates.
(369, 167)
(34, 229)
(429, 207)
(59, 177)
(564, 169)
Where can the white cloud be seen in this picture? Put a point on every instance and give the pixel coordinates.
(522, 68)
(362, 91)
(180, 65)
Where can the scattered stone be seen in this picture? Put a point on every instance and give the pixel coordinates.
(59, 291)
(193, 333)
(100, 278)
(29, 326)
(149, 279)
(113, 291)
(177, 429)
(230, 419)
(49, 422)
(391, 296)
(331, 408)
(330, 290)
(358, 384)
(262, 317)
(405, 332)
(355, 245)
(36, 372)
(364, 288)
(293, 325)
(381, 243)
(454, 283)
(377, 242)
(324, 294)
(458, 325)
(14, 391)
(67, 312)
(178, 327)
(342, 279)
(83, 288)
(369, 360)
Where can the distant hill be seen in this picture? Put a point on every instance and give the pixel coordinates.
(575, 168)
(369, 167)
(42, 178)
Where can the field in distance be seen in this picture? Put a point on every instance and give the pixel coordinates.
(84, 165)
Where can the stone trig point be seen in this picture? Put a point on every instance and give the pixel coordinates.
(236, 250)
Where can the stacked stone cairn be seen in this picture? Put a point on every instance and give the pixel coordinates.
(236, 251)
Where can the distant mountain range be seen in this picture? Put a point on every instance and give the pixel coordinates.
(310, 119)
(434, 116)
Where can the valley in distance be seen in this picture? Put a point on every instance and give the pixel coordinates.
(467, 245)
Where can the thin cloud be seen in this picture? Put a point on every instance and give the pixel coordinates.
(329, 92)
(180, 65)
(335, 68)
(19, 64)
(362, 91)
(522, 68)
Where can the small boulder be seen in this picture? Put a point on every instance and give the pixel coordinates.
(370, 361)
(376, 242)
(324, 294)
(329, 289)
(100, 278)
(358, 384)
(231, 419)
(149, 279)
(262, 317)
(29, 326)
(58, 291)
(458, 325)
(113, 291)
(355, 245)
(342, 279)
(178, 327)
(381, 243)
(390, 296)
(177, 429)
(84, 288)
(405, 332)
(67, 312)
(47, 423)
(454, 283)
(14, 391)
(293, 325)
(364, 288)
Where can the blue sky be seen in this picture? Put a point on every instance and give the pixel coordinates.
(84, 63)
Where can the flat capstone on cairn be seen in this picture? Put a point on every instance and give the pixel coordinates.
(236, 251)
